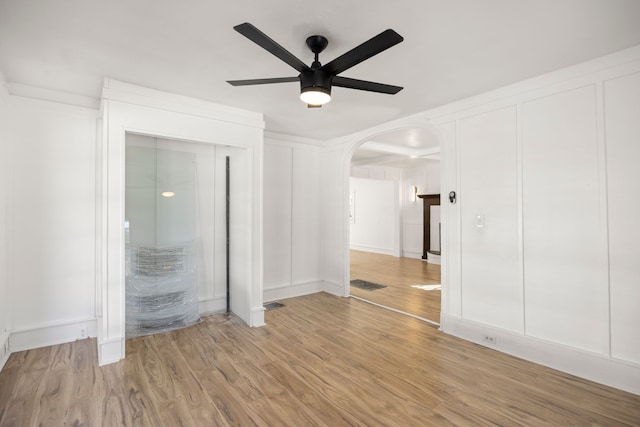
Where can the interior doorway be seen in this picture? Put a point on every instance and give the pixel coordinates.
(394, 254)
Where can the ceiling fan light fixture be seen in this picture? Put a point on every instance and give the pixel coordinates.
(315, 96)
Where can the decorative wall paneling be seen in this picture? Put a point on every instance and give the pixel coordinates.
(293, 208)
(376, 224)
(548, 274)
(51, 278)
(622, 135)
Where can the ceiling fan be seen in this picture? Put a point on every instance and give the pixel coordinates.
(316, 80)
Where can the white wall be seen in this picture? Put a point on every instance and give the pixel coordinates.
(5, 164)
(407, 225)
(539, 250)
(52, 274)
(550, 167)
(292, 218)
(375, 223)
(427, 181)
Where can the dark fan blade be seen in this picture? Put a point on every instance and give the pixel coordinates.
(313, 106)
(263, 81)
(365, 85)
(265, 42)
(366, 50)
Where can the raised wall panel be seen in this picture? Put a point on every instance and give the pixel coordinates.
(622, 106)
(564, 271)
(491, 290)
(53, 213)
(451, 263)
(306, 232)
(277, 215)
(375, 215)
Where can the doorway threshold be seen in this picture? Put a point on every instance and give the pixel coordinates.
(431, 322)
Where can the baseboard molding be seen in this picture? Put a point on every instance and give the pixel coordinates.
(601, 369)
(335, 289)
(256, 317)
(5, 349)
(412, 254)
(110, 351)
(42, 336)
(292, 291)
(212, 306)
(374, 250)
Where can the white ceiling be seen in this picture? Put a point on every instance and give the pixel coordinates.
(452, 49)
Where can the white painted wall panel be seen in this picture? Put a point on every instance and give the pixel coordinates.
(375, 215)
(5, 164)
(491, 290)
(240, 273)
(335, 211)
(53, 231)
(450, 262)
(564, 270)
(622, 106)
(306, 251)
(277, 215)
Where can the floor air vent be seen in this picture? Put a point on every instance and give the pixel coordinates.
(273, 305)
(367, 286)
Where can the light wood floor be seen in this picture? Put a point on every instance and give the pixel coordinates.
(320, 361)
(399, 275)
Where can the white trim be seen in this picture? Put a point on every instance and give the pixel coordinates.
(374, 249)
(293, 141)
(542, 82)
(5, 349)
(292, 291)
(33, 92)
(211, 306)
(46, 335)
(412, 253)
(128, 108)
(110, 351)
(115, 90)
(256, 317)
(601, 369)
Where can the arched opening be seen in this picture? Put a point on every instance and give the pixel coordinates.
(388, 168)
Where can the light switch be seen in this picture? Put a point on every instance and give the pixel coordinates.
(479, 221)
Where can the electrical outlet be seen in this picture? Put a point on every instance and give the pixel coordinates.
(83, 332)
(489, 339)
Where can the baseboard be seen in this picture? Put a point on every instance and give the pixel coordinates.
(5, 349)
(334, 289)
(594, 367)
(256, 317)
(212, 306)
(42, 336)
(374, 250)
(110, 351)
(412, 254)
(433, 259)
(292, 291)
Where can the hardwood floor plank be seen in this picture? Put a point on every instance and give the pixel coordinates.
(399, 275)
(320, 361)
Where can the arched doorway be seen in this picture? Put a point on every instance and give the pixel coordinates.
(412, 286)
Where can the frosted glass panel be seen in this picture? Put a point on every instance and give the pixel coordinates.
(166, 203)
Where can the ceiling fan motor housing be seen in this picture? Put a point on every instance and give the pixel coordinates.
(315, 80)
